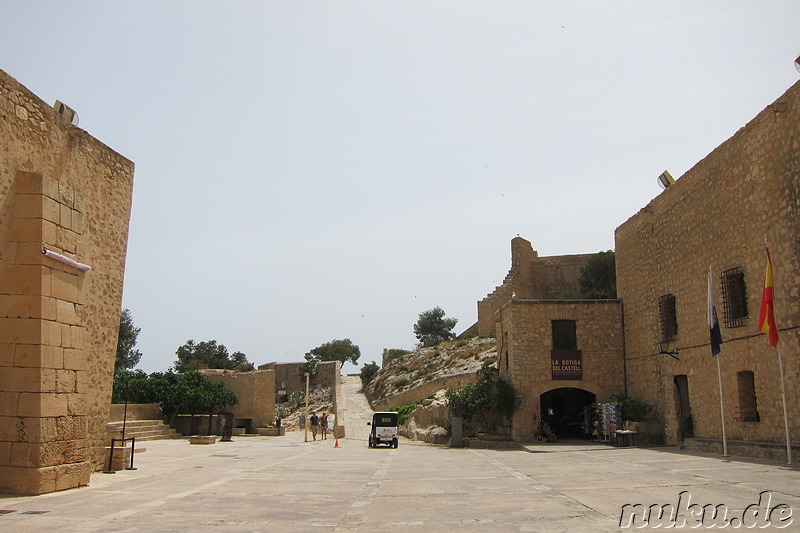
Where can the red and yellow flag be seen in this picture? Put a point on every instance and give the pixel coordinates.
(766, 318)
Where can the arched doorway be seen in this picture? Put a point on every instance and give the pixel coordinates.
(566, 411)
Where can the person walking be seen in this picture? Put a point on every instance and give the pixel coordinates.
(314, 419)
(323, 426)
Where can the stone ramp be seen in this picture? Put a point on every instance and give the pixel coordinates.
(357, 411)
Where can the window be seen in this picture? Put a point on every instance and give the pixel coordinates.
(669, 320)
(734, 297)
(748, 410)
(564, 335)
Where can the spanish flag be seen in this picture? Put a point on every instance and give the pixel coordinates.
(766, 319)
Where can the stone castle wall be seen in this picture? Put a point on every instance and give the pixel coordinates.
(289, 378)
(255, 391)
(62, 189)
(530, 277)
(717, 216)
(411, 396)
(525, 341)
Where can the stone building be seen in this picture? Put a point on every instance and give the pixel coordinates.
(716, 217)
(561, 355)
(64, 192)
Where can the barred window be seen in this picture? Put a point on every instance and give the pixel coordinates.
(668, 317)
(734, 297)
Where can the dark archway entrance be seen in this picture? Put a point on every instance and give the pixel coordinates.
(566, 411)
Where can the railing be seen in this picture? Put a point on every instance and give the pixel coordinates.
(111, 454)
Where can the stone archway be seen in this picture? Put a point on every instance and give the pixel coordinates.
(566, 411)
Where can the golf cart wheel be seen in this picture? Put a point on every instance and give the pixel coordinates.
(394, 443)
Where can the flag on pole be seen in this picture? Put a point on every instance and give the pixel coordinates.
(766, 318)
(713, 323)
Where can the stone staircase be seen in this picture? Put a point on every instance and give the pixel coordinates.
(142, 429)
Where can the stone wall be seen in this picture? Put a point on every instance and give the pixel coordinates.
(289, 378)
(524, 337)
(530, 277)
(411, 396)
(135, 411)
(717, 216)
(256, 394)
(62, 189)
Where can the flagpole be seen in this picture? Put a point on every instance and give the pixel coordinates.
(722, 411)
(767, 324)
(714, 327)
(785, 412)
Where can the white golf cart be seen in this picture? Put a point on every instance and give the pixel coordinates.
(384, 429)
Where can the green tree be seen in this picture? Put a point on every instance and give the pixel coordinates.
(598, 279)
(209, 354)
(368, 372)
(433, 328)
(131, 386)
(336, 350)
(127, 356)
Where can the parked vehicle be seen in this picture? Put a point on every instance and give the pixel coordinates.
(384, 429)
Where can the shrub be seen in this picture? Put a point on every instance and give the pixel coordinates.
(485, 401)
(401, 382)
(633, 408)
(403, 412)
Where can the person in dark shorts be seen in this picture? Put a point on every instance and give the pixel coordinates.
(314, 419)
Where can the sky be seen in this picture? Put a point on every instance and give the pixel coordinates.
(310, 171)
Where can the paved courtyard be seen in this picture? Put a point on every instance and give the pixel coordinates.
(284, 484)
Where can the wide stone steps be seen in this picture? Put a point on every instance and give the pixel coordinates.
(142, 430)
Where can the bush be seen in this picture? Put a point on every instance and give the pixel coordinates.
(487, 401)
(403, 412)
(633, 408)
(401, 382)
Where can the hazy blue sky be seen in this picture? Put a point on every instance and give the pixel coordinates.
(309, 171)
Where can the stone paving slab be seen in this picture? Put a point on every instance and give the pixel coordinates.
(284, 484)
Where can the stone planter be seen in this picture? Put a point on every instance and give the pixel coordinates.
(202, 439)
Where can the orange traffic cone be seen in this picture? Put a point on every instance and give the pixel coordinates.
(336, 444)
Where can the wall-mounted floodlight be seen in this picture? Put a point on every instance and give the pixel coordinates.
(67, 112)
(665, 180)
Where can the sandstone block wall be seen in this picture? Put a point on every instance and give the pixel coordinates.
(717, 216)
(62, 189)
(255, 392)
(524, 336)
(530, 277)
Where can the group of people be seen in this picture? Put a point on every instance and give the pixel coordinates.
(319, 424)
